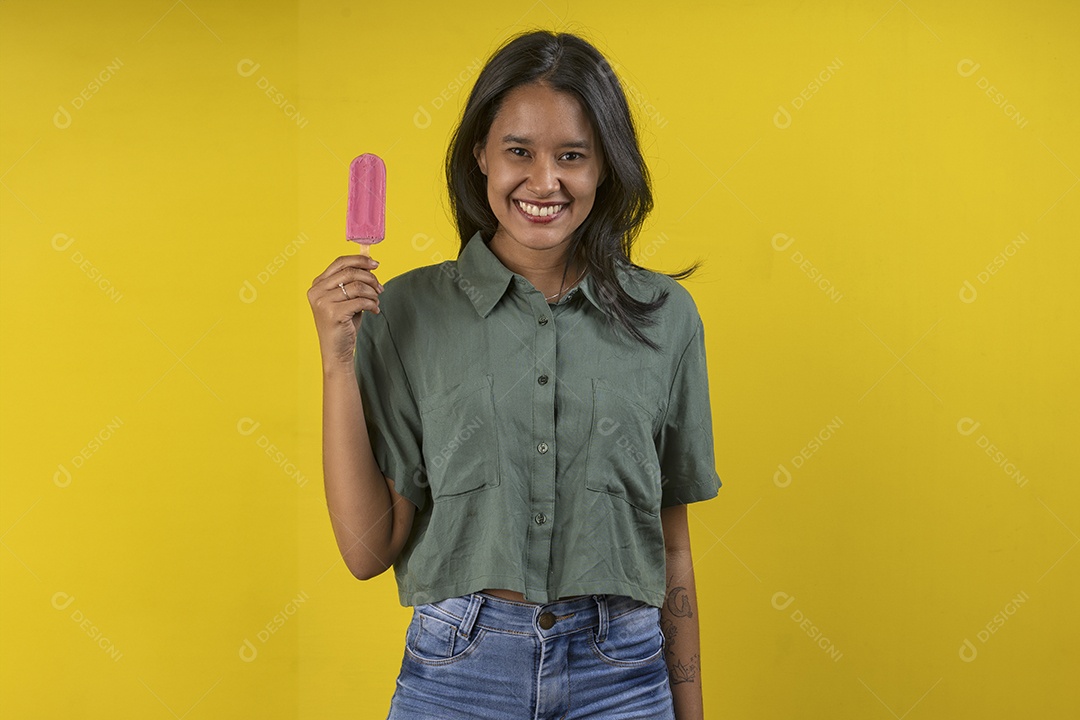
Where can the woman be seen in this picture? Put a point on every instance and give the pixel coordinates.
(529, 450)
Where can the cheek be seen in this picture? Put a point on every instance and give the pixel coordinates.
(496, 180)
(587, 191)
(496, 194)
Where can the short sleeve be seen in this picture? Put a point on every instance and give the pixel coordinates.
(684, 444)
(390, 411)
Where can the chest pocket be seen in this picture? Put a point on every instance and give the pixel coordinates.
(460, 441)
(622, 459)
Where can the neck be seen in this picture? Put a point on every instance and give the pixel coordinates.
(544, 268)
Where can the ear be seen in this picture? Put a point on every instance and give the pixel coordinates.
(480, 153)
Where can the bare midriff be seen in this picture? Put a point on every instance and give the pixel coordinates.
(518, 597)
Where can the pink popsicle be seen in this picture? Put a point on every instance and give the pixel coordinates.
(366, 221)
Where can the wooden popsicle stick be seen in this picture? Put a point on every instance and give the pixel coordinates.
(365, 249)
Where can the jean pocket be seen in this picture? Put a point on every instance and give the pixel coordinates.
(434, 641)
(460, 442)
(632, 639)
(621, 459)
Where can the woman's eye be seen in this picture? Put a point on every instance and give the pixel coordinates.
(576, 156)
(520, 152)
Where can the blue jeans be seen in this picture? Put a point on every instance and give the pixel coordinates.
(480, 656)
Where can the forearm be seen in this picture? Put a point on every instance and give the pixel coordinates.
(679, 620)
(356, 492)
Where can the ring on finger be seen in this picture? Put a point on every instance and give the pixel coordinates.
(342, 286)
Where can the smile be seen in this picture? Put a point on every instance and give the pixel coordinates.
(540, 213)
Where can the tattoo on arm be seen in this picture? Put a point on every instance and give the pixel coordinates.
(678, 605)
(678, 602)
(681, 673)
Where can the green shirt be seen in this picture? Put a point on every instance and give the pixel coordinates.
(537, 442)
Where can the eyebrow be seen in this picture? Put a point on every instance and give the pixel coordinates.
(519, 140)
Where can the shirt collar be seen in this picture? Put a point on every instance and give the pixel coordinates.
(486, 278)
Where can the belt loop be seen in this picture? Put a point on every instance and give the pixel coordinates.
(602, 606)
(470, 615)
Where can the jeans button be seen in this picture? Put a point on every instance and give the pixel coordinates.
(546, 620)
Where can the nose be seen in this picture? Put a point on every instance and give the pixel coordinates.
(544, 178)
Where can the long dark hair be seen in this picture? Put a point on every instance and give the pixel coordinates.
(624, 199)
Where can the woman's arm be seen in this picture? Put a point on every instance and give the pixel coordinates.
(370, 520)
(679, 617)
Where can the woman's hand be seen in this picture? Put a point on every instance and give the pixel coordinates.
(337, 317)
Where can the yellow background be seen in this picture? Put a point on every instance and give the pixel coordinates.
(166, 546)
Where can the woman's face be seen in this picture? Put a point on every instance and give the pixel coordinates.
(543, 164)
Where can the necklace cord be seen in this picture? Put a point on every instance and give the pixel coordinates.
(561, 289)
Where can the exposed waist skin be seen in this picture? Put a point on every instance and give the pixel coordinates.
(518, 597)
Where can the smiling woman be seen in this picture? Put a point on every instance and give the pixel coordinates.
(542, 173)
(530, 487)
(555, 103)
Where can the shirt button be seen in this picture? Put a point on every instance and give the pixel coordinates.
(543, 320)
(542, 379)
(542, 448)
(546, 620)
(540, 518)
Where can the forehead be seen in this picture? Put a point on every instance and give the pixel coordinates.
(540, 111)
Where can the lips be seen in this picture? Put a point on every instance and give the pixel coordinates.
(540, 213)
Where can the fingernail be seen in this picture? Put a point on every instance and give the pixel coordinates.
(380, 287)
(376, 263)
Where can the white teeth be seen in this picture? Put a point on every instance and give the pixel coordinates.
(536, 211)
